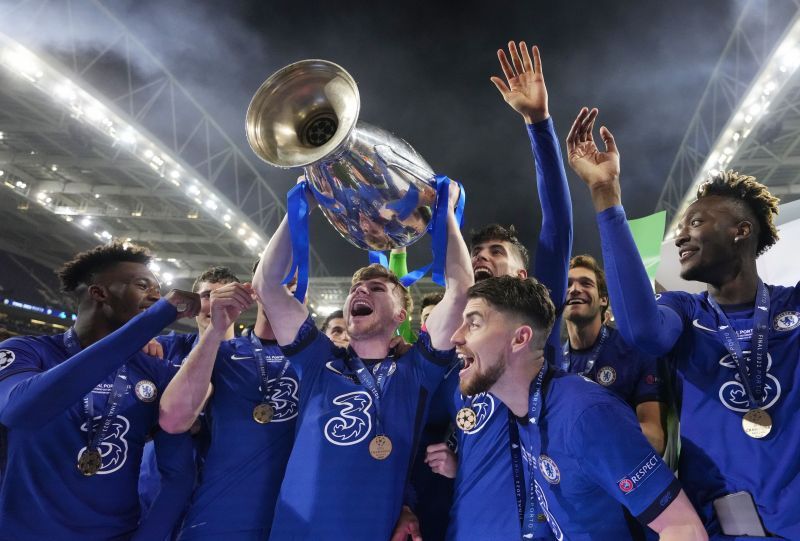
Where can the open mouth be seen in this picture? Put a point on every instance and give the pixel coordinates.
(686, 253)
(467, 363)
(575, 301)
(360, 308)
(482, 272)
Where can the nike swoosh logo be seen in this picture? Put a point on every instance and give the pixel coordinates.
(240, 357)
(329, 366)
(697, 324)
(762, 308)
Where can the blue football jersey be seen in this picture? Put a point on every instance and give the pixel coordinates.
(624, 370)
(484, 500)
(43, 494)
(245, 464)
(717, 457)
(333, 487)
(176, 349)
(589, 458)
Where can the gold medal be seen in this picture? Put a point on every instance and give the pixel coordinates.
(90, 462)
(757, 423)
(263, 413)
(466, 419)
(380, 447)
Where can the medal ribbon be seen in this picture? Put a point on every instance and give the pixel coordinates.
(754, 382)
(263, 369)
(593, 356)
(374, 385)
(118, 392)
(527, 517)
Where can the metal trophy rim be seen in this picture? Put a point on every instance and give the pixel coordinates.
(265, 91)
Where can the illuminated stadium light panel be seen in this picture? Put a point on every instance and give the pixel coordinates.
(754, 107)
(83, 106)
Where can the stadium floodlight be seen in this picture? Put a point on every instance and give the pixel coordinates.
(81, 103)
(776, 72)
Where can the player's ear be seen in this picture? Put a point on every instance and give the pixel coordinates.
(98, 293)
(522, 338)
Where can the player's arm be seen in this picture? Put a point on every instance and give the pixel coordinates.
(652, 328)
(649, 415)
(176, 466)
(285, 313)
(29, 399)
(187, 393)
(445, 317)
(525, 91)
(631, 472)
(398, 264)
(679, 522)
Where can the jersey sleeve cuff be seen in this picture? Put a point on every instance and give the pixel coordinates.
(306, 334)
(545, 125)
(436, 356)
(661, 502)
(610, 214)
(650, 397)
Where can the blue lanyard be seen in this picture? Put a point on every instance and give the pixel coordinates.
(527, 517)
(593, 356)
(118, 392)
(263, 370)
(374, 385)
(754, 382)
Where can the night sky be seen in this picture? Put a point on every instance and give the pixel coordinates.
(423, 70)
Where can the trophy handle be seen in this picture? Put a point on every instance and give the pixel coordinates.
(392, 158)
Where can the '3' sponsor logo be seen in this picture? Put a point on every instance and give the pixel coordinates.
(354, 422)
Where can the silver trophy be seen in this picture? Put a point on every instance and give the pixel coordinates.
(373, 187)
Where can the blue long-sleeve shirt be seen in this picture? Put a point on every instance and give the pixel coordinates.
(717, 457)
(43, 382)
(484, 503)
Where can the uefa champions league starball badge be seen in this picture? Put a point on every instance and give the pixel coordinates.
(466, 419)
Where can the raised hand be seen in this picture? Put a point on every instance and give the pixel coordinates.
(227, 303)
(589, 162)
(186, 302)
(524, 88)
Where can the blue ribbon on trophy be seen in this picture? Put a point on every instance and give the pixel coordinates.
(371, 186)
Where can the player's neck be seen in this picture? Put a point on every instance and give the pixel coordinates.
(513, 388)
(371, 347)
(738, 288)
(263, 329)
(584, 335)
(90, 329)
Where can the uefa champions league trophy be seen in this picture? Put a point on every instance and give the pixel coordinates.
(372, 187)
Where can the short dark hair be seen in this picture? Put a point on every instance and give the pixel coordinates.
(336, 314)
(81, 269)
(755, 197)
(526, 298)
(498, 232)
(215, 275)
(586, 261)
(374, 271)
(431, 299)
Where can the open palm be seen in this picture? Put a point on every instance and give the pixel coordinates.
(594, 166)
(524, 89)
